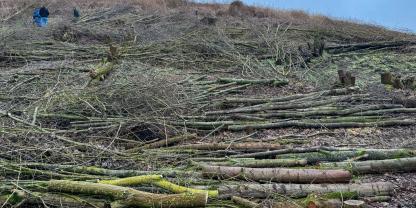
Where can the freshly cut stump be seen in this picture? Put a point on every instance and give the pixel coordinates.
(354, 204)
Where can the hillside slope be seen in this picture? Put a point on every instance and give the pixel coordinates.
(168, 87)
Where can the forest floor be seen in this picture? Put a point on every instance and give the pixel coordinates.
(168, 92)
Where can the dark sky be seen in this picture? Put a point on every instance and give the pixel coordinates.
(394, 14)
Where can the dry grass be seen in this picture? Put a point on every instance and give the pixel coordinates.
(295, 18)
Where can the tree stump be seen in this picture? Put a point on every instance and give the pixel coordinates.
(346, 79)
(354, 204)
(387, 78)
(397, 83)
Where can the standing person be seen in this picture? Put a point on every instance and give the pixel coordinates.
(40, 16)
(77, 14)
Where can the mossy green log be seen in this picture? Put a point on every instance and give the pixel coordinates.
(128, 197)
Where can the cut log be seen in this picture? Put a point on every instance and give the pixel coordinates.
(387, 111)
(273, 82)
(372, 199)
(342, 91)
(106, 172)
(283, 175)
(273, 153)
(366, 46)
(244, 202)
(232, 146)
(324, 203)
(376, 166)
(37, 199)
(337, 156)
(169, 141)
(157, 181)
(303, 190)
(282, 106)
(336, 112)
(305, 124)
(128, 197)
(269, 163)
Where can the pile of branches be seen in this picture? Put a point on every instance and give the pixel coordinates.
(337, 108)
(246, 173)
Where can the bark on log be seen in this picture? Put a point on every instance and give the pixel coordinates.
(376, 166)
(128, 197)
(157, 181)
(369, 45)
(107, 172)
(283, 175)
(324, 203)
(303, 190)
(169, 141)
(303, 124)
(268, 154)
(244, 202)
(337, 156)
(232, 146)
(282, 106)
(268, 163)
(337, 112)
(37, 199)
(273, 82)
(386, 111)
(342, 91)
(372, 199)
(204, 125)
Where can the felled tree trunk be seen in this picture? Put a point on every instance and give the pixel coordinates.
(244, 202)
(336, 156)
(106, 172)
(64, 200)
(283, 175)
(268, 163)
(303, 190)
(370, 45)
(307, 124)
(281, 106)
(342, 91)
(157, 181)
(273, 82)
(169, 141)
(128, 197)
(322, 203)
(232, 146)
(269, 154)
(376, 166)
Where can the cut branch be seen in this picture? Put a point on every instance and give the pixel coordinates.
(128, 197)
(376, 166)
(303, 190)
(278, 174)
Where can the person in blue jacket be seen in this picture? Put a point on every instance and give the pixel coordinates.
(40, 16)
